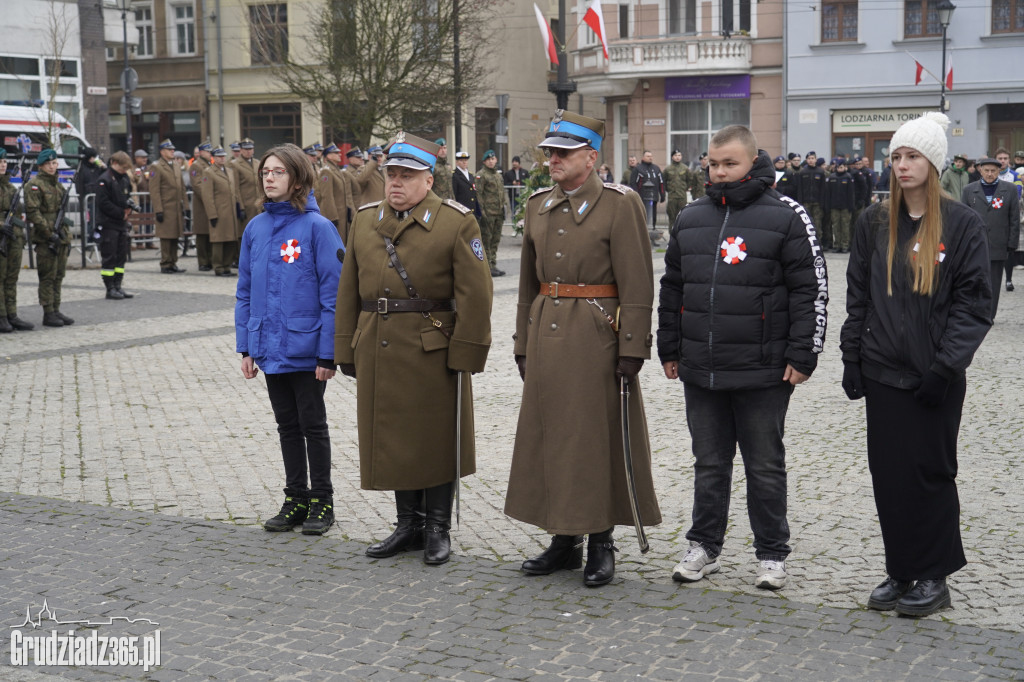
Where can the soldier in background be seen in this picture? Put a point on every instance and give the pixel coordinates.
(249, 188)
(405, 375)
(236, 150)
(677, 179)
(464, 183)
(218, 193)
(442, 171)
(354, 161)
(200, 221)
(371, 177)
(10, 265)
(810, 184)
(167, 193)
(341, 189)
(323, 193)
(491, 199)
(43, 197)
(699, 177)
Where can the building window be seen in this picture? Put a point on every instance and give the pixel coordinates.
(921, 19)
(144, 23)
(271, 124)
(623, 21)
(682, 17)
(693, 122)
(729, 8)
(268, 31)
(183, 29)
(1008, 16)
(838, 21)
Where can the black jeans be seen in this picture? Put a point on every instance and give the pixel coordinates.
(755, 419)
(298, 402)
(114, 245)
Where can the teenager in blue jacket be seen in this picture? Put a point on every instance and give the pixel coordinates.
(288, 274)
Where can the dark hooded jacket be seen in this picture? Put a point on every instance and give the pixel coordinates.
(745, 287)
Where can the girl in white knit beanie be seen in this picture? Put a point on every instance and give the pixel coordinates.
(918, 307)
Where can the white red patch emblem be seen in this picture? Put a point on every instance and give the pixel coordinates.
(997, 202)
(734, 250)
(942, 252)
(290, 251)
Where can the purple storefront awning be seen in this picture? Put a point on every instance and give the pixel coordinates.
(707, 87)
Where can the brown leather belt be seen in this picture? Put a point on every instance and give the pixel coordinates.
(559, 290)
(407, 305)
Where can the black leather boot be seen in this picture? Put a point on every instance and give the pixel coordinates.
(408, 535)
(924, 598)
(437, 545)
(885, 596)
(5, 325)
(52, 320)
(118, 278)
(566, 551)
(19, 323)
(112, 293)
(600, 567)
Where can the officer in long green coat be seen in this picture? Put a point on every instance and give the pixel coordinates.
(43, 196)
(218, 192)
(677, 181)
(490, 196)
(586, 293)
(407, 351)
(167, 195)
(200, 221)
(442, 171)
(10, 264)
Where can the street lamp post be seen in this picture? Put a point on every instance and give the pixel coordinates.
(124, 79)
(945, 11)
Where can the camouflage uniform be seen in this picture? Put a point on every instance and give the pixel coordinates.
(43, 196)
(490, 195)
(443, 180)
(697, 179)
(10, 265)
(677, 181)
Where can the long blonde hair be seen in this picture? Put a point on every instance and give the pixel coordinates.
(923, 263)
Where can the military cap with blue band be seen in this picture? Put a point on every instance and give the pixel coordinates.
(235, 146)
(331, 148)
(167, 144)
(206, 147)
(219, 151)
(355, 151)
(248, 144)
(410, 151)
(573, 131)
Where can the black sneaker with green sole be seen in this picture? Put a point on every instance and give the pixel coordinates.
(321, 516)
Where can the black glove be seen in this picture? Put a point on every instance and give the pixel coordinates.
(240, 213)
(521, 363)
(932, 390)
(213, 222)
(335, 223)
(853, 383)
(159, 217)
(348, 369)
(628, 368)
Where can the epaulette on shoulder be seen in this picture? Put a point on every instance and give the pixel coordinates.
(372, 204)
(456, 205)
(621, 189)
(541, 191)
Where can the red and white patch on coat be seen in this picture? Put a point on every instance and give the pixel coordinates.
(290, 251)
(997, 202)
(734, 250)
(942, 252)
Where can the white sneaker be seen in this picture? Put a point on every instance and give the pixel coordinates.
(771, 575)
(695, 565)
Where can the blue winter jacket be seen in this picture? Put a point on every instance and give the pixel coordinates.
(288, 273)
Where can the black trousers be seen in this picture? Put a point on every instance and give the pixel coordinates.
(114, 245)
(298, 402)
(1015, 258)
(912, 458)
(996, 273)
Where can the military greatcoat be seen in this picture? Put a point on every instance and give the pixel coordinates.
(568, 475)
(371, 182)
(167, 192)
(405, 367)
(218, 195)
(249, 186)
(200, 221)
(341, 191)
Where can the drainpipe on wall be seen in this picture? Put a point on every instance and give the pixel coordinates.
(220, 76)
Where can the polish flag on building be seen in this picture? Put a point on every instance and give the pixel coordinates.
(594, 18)
(949, 73)
(920, 70)
(549, 38)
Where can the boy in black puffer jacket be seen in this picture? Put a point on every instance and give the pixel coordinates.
(741, 319)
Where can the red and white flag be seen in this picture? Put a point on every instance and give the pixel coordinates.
(549, 37)
(949, 73)
(920, 70)
(594, 18)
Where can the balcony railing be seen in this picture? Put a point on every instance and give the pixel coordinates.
(699, 55)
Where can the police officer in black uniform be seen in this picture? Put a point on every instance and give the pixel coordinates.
(113, 205)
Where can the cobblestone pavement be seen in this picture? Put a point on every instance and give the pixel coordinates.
(159, 461)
